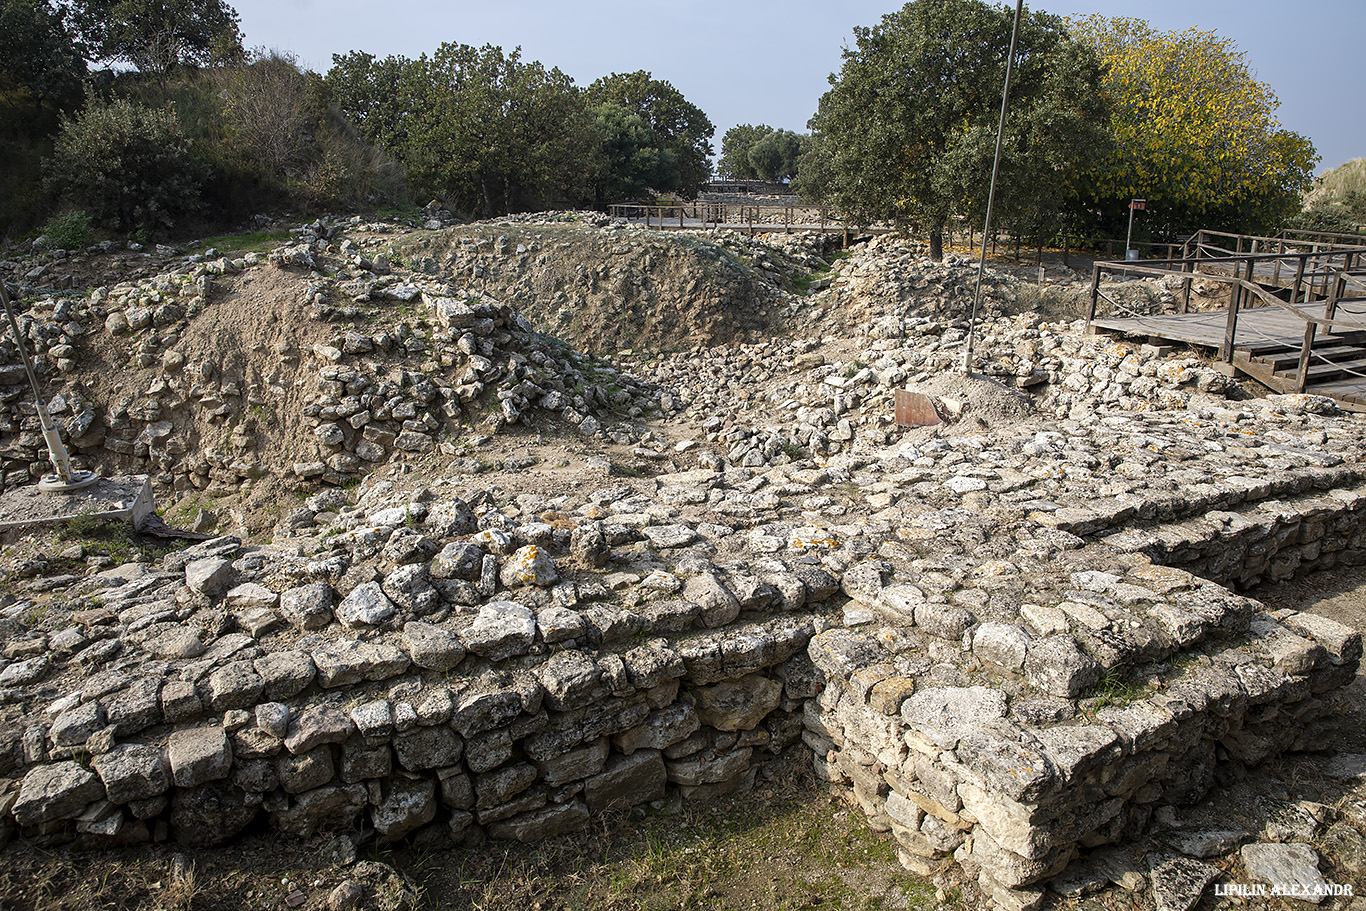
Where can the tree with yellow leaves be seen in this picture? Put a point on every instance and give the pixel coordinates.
(1195, 133)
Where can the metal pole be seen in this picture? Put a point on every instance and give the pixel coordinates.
(991, 192)
(65, 478)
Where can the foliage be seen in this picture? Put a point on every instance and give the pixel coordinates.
(735, 145)
(1341, 214)
(279, 129)
(1195, 134)
(41, 70)
(1345, 178)
(40, 65)
(910, 121)
(478, 128)
(631, 162)
(69, 230)
(775, 156)
(372, 93)
(128, 165)
(678, 125)
(155, 36)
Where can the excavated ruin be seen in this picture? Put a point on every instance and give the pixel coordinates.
(1016, 636)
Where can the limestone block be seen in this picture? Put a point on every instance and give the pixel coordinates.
(627, 781)
(199, 755)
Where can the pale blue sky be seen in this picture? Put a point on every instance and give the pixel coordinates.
(765, 61)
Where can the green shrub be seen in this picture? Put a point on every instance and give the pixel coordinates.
(69, 231)
(128, 165)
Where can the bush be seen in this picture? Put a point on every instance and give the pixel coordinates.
(68, 231)
(128, 165)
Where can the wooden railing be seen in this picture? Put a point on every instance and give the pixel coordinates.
(1316, 279)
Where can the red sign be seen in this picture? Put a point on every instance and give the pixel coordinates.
(1139, 204)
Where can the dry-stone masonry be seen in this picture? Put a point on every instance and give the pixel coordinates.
(1016, 637)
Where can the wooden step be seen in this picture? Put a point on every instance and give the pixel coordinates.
(1320, 372)
(1290, 358)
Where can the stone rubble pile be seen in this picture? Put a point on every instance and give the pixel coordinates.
(979, 633)
(423, 364)
(1015, 636)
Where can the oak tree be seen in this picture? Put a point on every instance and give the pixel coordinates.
(735, 145)
(678, 125)
(909, 123)
(158, 35)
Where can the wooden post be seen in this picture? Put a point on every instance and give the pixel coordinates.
(972, 238)
(1231, 328)
(680, 218)
(1109, 249)
(1276, 269)
(1065, 263)
(1330, 309)
(1095, 295)
(751, 221)
(1302, 371)
(1299, 278)
(1187, 265)
(787, 219)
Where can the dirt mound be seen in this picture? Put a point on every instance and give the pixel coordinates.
(316, 364)
(609, 290)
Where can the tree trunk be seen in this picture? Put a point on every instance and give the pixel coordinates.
(937, 243)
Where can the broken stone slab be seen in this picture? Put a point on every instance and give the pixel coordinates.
(944, 714)
(546, 822)
(342, 662)
(1292, 868)
(52, 792)
(133, 772)
(432, 647)
(1178, 882)
(738, 705)
(627, 781)
(501, 630)
(366, 605)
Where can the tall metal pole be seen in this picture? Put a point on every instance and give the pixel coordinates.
(991, 193)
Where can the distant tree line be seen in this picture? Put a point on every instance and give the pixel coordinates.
(194, 129)
(489, 133)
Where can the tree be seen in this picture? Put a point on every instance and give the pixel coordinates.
(735, 145)
(481, 129)
(774, 157)
(40, 65)
(157, 35)
(373, 94)
(677, 125)
(910, 121)
(1195, 134)
(630, 162)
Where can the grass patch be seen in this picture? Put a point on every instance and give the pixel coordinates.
(1114, 689)
(255, 242)
(794, 845)
(115, 540)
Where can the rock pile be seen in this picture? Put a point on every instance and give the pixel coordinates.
(1015, 635)
(422, 364)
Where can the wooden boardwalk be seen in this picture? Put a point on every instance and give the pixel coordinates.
(1315, 342)
(1270, 345)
